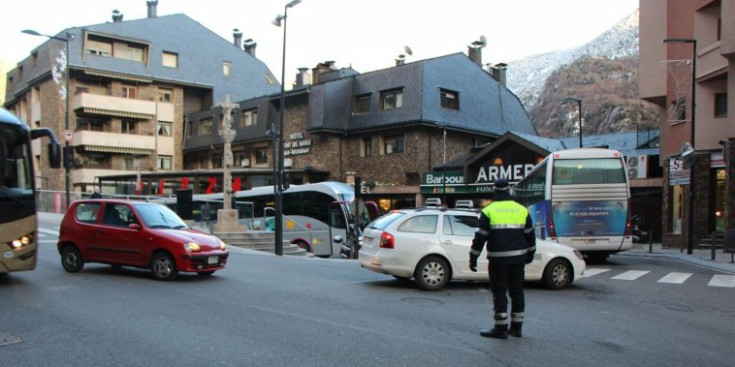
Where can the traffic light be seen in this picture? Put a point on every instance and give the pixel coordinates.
(68, 157)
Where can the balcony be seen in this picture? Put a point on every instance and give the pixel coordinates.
(114, 106)
(99, 141)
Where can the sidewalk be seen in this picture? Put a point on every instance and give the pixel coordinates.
(721, 262)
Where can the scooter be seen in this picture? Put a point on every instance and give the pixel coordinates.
(639, 235)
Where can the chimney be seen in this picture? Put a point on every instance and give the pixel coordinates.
(498, 72)
(302, 77)
(237, 37)
(250, 46)
(321, 68)
(117, 16)
(152, 4)
(475, 54)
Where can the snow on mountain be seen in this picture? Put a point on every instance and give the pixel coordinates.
(526, 77)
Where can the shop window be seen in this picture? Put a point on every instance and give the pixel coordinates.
(676, 207)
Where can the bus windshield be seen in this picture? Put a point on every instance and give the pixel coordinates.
(588, 171)
(16, 181)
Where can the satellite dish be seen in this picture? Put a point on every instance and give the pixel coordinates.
(408, 50)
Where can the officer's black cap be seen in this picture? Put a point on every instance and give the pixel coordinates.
(501, 184)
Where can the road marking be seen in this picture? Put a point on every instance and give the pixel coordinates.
(631, 275)
(593, 271)
(727, 281)
(675, 278)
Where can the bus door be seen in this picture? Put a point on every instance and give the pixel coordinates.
(337, 226)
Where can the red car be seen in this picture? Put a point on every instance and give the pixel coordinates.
(138, 234)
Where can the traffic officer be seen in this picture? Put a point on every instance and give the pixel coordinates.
(505, 226)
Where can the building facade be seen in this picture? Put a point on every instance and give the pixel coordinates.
(130, 84)
(687, 49)
(388, 127)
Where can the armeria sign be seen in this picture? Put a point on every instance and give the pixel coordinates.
(513, 172)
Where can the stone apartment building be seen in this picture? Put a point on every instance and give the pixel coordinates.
(386, 127)
(131, 84)
(681, 41)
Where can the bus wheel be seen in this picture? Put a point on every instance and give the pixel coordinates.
(163, 266)
(303, 245)
(558, 274)
(432, 273)
(71, 259)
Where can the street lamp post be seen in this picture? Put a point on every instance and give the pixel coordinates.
(280, 179)
(690, 220)
(67, 148)
(579, 107)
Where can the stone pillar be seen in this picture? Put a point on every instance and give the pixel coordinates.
(227, 217)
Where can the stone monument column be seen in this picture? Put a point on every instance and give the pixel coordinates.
(227, 217)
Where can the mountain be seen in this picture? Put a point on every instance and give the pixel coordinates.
(603, 74)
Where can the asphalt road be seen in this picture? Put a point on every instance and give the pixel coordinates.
(264, 310)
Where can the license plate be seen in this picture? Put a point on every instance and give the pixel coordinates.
(212, 260)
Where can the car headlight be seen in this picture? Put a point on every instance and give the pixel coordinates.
(578, 254)
(222, 245)
(192, 247)
(21, 241)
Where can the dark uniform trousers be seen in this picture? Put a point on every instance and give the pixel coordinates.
(507, 279)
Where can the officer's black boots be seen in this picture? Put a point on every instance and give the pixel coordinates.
(497, 332)
(515, 329)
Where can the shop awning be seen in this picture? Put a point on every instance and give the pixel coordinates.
(122, 150)
(124, 114)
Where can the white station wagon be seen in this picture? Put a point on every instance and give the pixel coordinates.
(432, 245)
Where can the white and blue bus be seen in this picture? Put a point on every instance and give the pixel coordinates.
(313, 214)
(580, 198)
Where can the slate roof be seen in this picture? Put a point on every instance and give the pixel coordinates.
(485, 106)
(201, 54)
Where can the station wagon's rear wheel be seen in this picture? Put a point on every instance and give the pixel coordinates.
(71, 259)
(432, 273)
(163, 266)
(558, 274)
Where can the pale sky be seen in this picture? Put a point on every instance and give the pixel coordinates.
(365, 34)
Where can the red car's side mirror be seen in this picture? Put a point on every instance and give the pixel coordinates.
(134, 226)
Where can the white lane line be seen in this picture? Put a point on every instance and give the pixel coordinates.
(631, 275)
(675, 278)
(727, 281)
(593, 271)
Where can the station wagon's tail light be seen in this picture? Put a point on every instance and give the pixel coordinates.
(386, 240)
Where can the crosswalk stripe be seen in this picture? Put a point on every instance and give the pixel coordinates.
(593, 271)
(675, 278)
(727, 281)
(631, 275)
